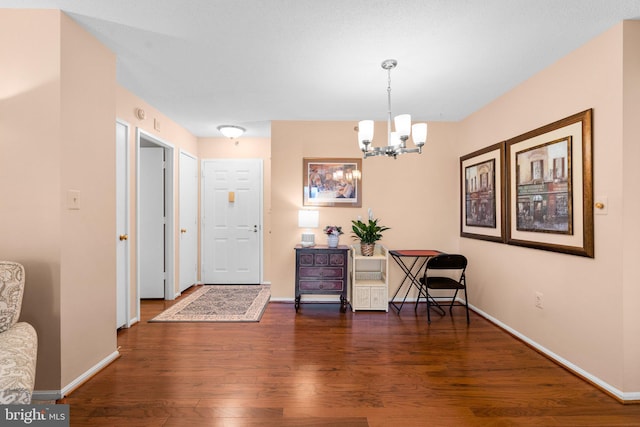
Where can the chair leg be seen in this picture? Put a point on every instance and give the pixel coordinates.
(452, 301)
(428, 305)
(466, 303)
(418, 299)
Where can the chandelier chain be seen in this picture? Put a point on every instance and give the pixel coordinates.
(389, 103)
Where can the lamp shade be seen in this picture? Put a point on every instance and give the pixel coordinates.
(308, 218)
(419, 134)
(365, 131)
(403, 124)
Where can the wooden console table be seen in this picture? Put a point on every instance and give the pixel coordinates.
(322, 270)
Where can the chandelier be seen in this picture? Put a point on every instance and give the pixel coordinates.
(396, 141)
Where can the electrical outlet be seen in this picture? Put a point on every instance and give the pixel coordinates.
(539, 300)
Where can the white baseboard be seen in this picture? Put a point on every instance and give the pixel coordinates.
(89, 373)
(59, 394)
(618, 394)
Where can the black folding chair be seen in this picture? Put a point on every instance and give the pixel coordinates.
(435, 279)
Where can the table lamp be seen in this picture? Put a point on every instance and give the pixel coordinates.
(308, 219)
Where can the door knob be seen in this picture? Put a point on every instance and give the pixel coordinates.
(124, 237)
(183, 230)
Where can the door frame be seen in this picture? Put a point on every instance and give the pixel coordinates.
(169, 242)
(127, 226)
(260, 163)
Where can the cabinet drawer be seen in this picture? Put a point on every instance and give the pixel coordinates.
(323, 272)
(322, 259)
(321, 285)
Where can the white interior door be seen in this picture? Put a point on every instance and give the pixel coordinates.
(151, 235)
(231, 221)
(188, 221)
(122, 225)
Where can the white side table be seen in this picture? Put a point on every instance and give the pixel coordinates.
(369, 285)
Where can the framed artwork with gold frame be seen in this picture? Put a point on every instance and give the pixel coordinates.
(482, 203)
(550, 187)
(332, 182)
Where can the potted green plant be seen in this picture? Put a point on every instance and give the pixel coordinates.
(368, 233)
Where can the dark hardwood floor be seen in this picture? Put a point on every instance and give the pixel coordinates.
(321, 367)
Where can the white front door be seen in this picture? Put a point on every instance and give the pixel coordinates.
(231, 221)
(122, 225)
(152, 223)
(188, 221)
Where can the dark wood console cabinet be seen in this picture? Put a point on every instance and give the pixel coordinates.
(322, 270)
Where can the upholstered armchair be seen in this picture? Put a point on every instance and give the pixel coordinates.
(18, 340)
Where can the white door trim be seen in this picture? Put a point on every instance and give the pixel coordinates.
(260, 215)
(126, 195)
(170, 256)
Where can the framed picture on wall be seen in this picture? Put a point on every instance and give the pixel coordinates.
(482, 201)
(332, 182)
(550, 187)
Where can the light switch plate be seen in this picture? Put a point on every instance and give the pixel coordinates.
(73, 199)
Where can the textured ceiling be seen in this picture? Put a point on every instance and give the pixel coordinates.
(246, 62)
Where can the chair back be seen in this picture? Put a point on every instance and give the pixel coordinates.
(11, 291)
(447, 262)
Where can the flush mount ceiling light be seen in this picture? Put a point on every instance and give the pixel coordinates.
(231, 131)
(396, 141)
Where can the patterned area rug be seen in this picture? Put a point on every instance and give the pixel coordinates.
(219, 303)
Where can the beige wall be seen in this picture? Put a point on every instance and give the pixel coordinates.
(56, 134)
(415, 195)
(591, 305)
(30, 176)
(87, 261)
